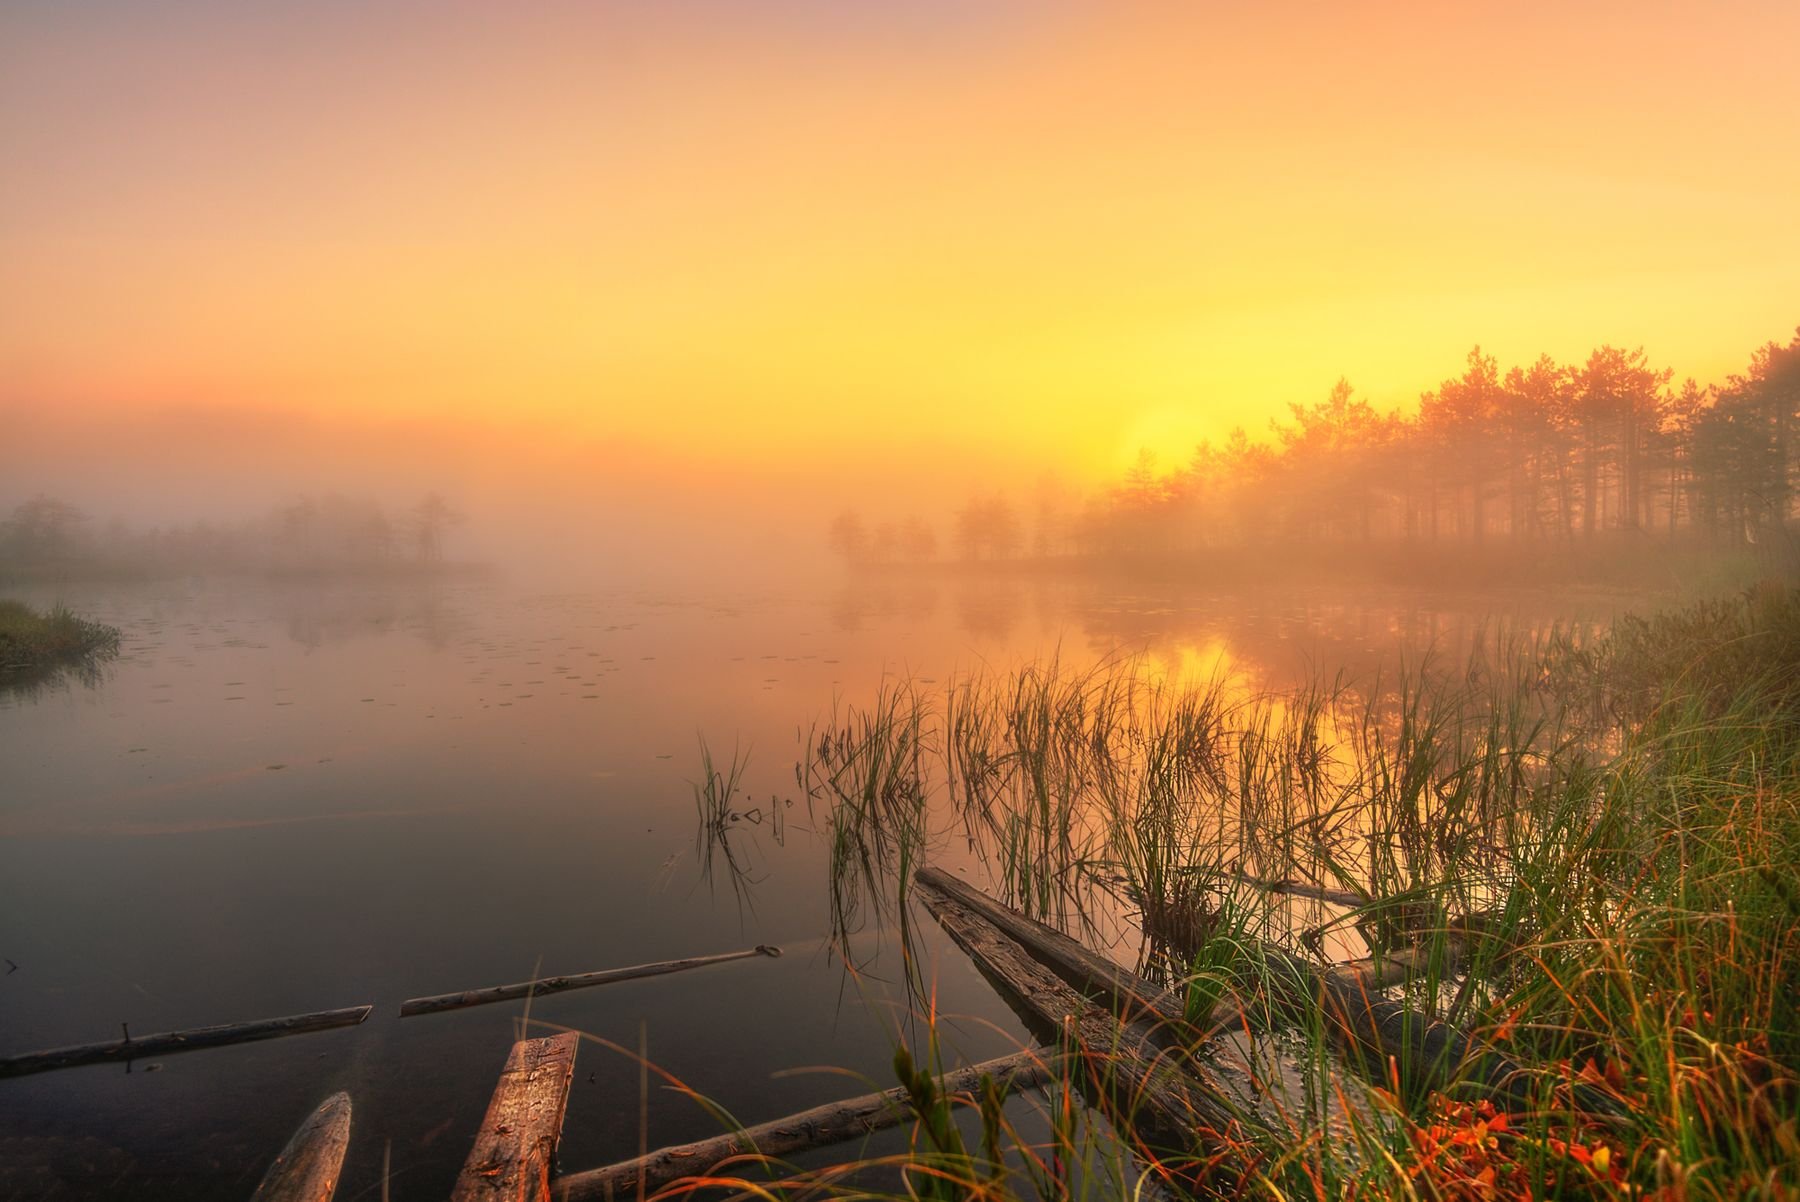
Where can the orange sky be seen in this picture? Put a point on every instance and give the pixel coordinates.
(732, 232)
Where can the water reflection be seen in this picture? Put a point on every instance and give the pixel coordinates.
(1280, 635)
(31, 684)
(282, 798)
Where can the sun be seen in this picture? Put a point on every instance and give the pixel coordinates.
(1168, 432)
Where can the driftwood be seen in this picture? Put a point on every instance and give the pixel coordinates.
(1085, 971)
(1136, 1068)
(822, 1126)
(513, 1150)
(1382, 1035)
(170, 1042)
(583, 980)
(307, 1169)
(1381, 1031)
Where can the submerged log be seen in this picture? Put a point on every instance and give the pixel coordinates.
(517, 1142)
(169, 1042)
(1136, 1069)
(1081, 969)
(1383, 1036)
(581, 980)
(819, 1127)
(307, 1169)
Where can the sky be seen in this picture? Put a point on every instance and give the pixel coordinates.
(817, 246)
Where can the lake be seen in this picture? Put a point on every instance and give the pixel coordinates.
(285, 797)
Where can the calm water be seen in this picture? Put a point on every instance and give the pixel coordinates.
(289, 798)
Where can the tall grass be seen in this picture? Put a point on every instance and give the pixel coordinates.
(865, 777)
(1578, 852)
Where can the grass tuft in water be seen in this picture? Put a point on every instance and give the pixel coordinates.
(36, 647)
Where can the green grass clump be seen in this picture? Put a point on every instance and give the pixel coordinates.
(35, 645)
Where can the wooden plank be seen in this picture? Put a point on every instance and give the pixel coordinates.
(581, 980)
(170, 1042)
(1379, 1033)
(307, 1169)
(819, 1127)
(1182, 1116)
(514, 1149)
(1374, 1026)
(1083, 970)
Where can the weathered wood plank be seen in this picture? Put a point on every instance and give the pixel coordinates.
(581, 980)
(1373, 1024)
(1184, 1116)
(307, 1169)
(514, 1149)
(1081, 969)
(168, 1043)
(1379, 1033)
(819, 1127)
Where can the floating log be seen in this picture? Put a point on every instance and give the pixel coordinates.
(307, 1169)
(1137, 1070)
(1085, 971)
(517, 1142)
(822, 1126)
(582, 980)
(1357, 1012)
(1381, 1034)
(170, 1042)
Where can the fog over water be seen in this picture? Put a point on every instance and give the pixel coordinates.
(287, 796)
(493, 433)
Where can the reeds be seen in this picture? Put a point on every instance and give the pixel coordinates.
(1576, 852)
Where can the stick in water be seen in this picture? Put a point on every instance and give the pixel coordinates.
(180, 1041)
(832, 1123)
(582, 980)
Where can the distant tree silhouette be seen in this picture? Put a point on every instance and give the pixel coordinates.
(44, 527)
(1328, 455)
(432, 518)
(848, 537)
(918, 541)
(988, 528)
(1538, 454)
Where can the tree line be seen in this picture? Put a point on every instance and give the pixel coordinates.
(1545, 456)
(325, 532)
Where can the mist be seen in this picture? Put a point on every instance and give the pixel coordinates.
(1015, 601)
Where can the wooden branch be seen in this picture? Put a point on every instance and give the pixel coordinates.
(513, 1150)
(1336, 897)
(307, 1169)
(822, 1126)
(171, 1042)
(583, 980)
